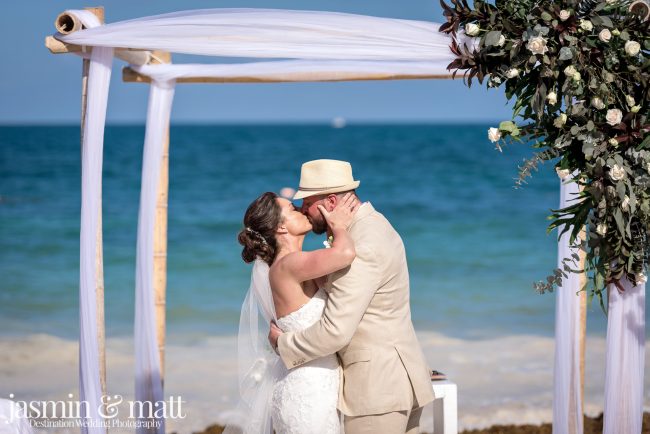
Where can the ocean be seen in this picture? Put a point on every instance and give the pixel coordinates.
(475, 245)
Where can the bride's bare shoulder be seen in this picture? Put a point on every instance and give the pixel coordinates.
(284, 264)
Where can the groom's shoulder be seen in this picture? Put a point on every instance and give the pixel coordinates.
(372, 222)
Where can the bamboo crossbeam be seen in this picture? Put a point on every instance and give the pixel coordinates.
(129, 75)
(133, 57)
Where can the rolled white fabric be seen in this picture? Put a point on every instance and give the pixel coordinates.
(148, 380)
(567, 399)
(625, 359)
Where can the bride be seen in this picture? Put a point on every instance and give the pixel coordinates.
(287, 286)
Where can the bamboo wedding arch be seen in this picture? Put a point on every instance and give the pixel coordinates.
(386, 56)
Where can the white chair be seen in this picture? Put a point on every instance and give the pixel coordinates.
(445, 407)
(10, 420)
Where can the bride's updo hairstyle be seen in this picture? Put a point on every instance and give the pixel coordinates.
(261, 220)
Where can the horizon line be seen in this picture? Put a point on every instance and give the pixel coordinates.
(349, 123)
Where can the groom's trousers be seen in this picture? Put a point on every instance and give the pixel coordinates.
(396, 422)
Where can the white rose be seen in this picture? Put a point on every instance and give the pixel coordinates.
(605, 35)
(625, 203)
(640, 278)
(601, 229)
(586, 25)
(629, 99)
(576, 76)
(570, 70)
(537, 45)
(494, 134)
(512, 73)
(502, 41)
(564, 14)
(632, 48)
(471, 29)
(552, 98)
(560, 121)
(494, 81)
(613, 142)
(597, 103)
(614, 116)
(647, 167)
(616, 173)
(562, 173)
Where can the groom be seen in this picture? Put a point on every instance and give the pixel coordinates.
(367, 318)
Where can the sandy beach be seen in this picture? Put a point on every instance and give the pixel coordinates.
(501, 381)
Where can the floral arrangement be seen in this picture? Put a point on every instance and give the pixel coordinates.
(579, 72)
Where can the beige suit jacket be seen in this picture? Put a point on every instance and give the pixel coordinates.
(367, 321)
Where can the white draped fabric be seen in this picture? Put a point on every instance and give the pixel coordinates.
(567, 399)
(275, 33)
(148, 380)
(625, 359)
(91, 186)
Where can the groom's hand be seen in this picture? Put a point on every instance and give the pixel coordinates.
(274, 334)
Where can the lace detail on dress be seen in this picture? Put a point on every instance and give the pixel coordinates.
(304, 401)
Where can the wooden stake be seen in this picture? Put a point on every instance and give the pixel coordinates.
(160, 238)
(99, 259)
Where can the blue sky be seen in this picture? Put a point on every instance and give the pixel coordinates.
(39, 87)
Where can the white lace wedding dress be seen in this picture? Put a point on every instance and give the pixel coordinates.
(304, 400)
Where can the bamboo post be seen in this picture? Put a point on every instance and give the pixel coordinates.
(99, 259)
(160, 237)
(582, 254)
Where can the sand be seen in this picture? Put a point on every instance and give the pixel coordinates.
(501, 381)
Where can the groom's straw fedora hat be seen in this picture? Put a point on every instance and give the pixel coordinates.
(324, 177)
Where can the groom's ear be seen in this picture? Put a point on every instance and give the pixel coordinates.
(331, 201)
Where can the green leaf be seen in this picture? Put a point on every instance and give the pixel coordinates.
(566, 53)
(508, 126)
(618, 217)
(606, 21)
(492, 38)
(620, 190)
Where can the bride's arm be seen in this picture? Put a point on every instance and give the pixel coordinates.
(303, 266)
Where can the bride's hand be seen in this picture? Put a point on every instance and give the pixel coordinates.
(341, 216)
